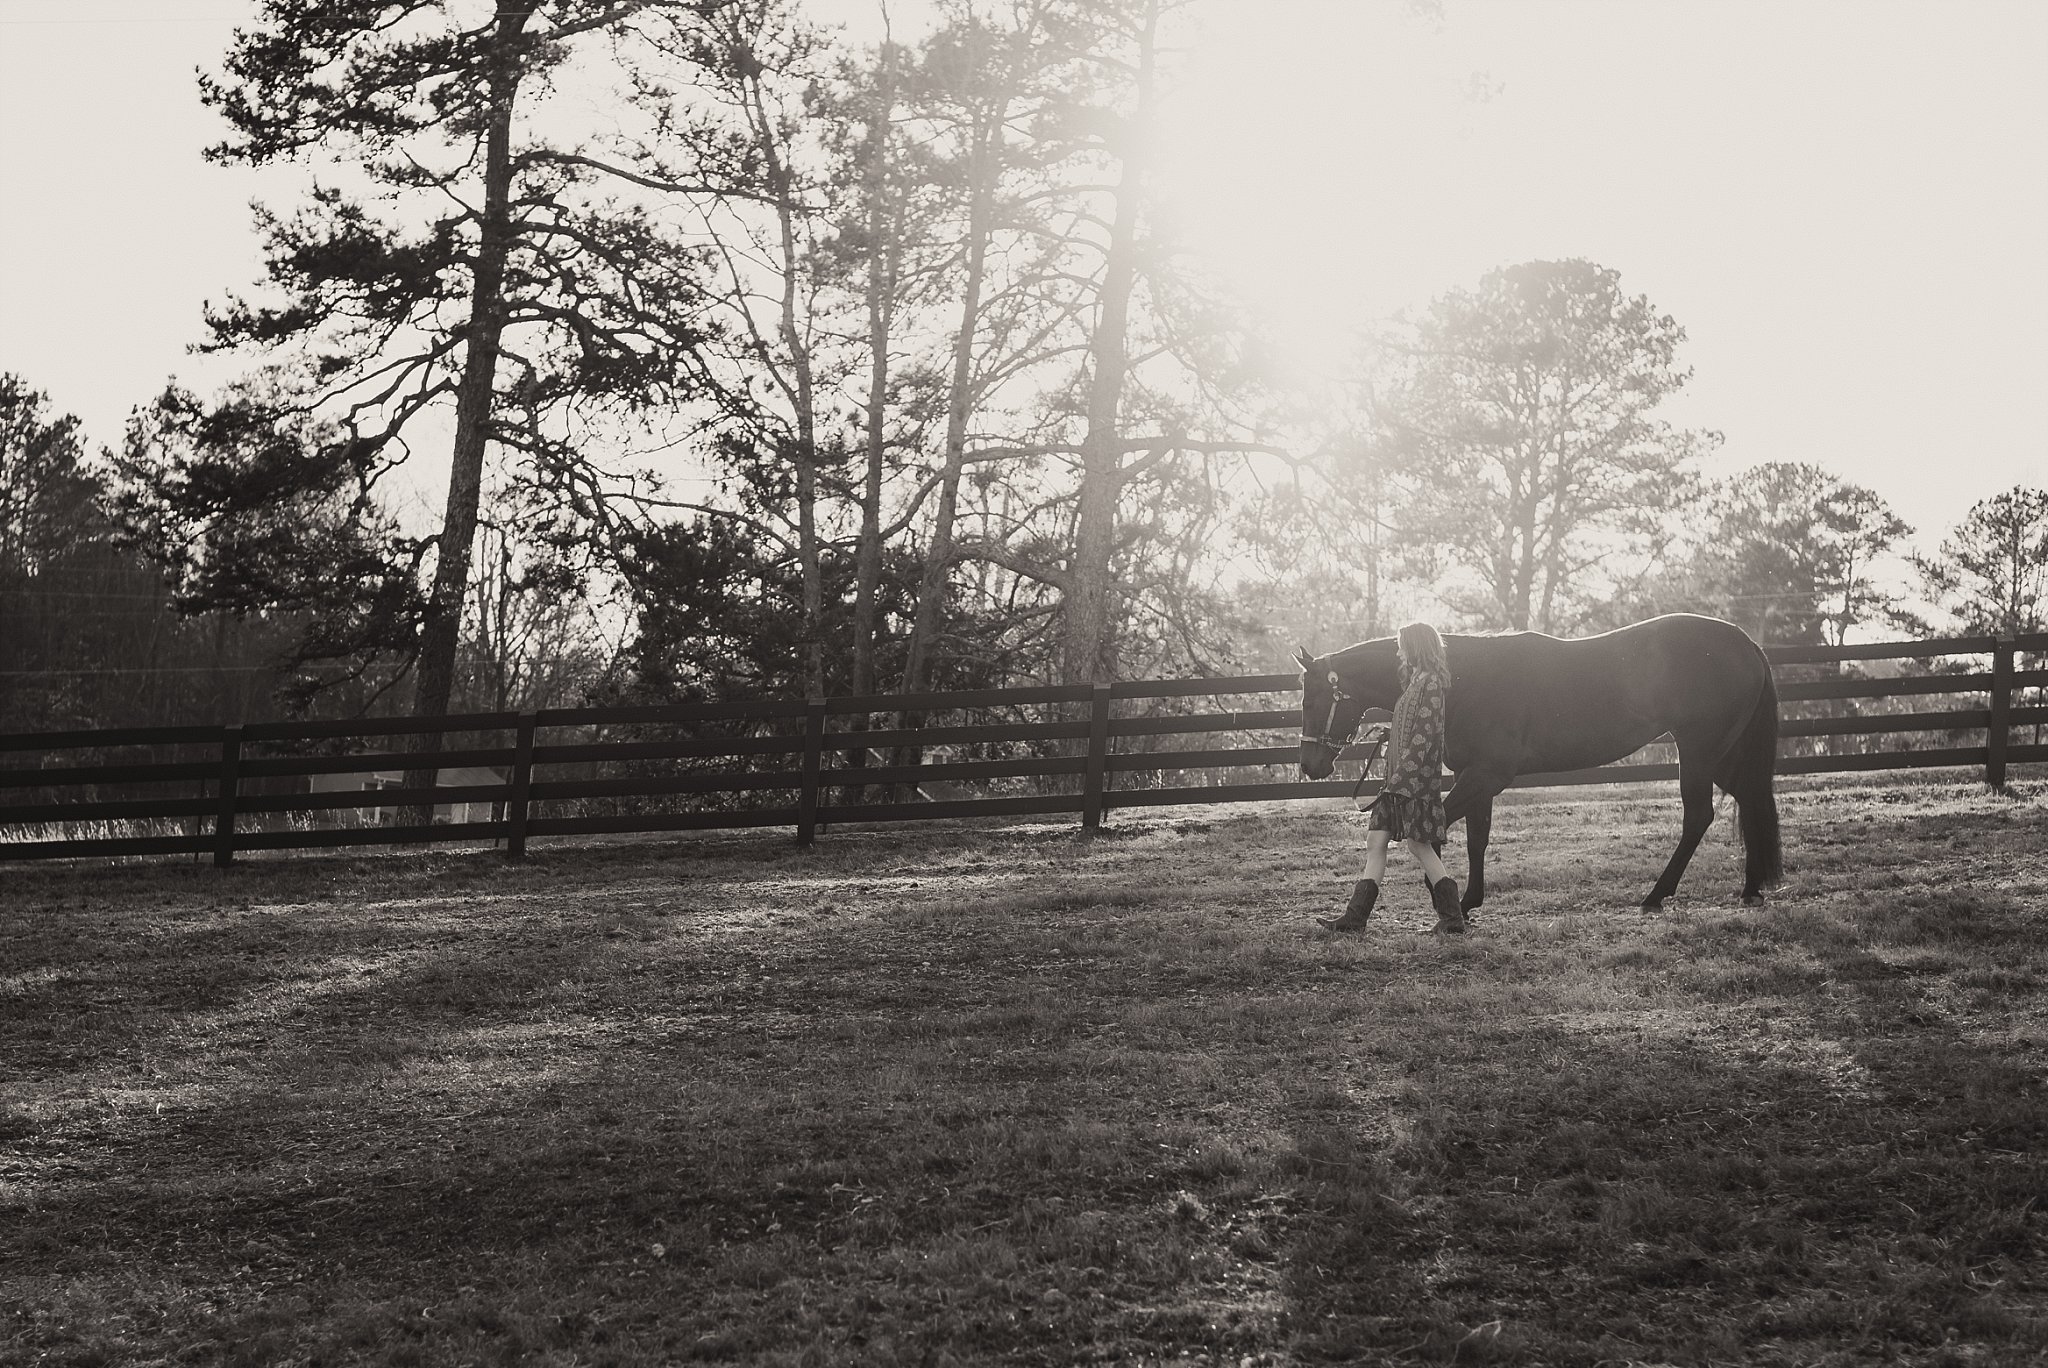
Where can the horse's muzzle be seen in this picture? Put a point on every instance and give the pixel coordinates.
(1318, 758)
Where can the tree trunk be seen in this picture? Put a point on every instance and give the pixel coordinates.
(441, 625)
(804, 457)
(938, 561)
(1523, 537)
(1372, 626)
(885, 250)
(932, 582)
(1090, 588)
(810, 552)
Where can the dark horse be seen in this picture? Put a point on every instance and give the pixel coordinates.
(1525, 703)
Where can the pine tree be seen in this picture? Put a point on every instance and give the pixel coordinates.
(1991, 573)
(1519, 424)
(466, 283)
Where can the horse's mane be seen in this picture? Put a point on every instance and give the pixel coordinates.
(1362, 648)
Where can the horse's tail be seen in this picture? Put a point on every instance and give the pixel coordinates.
(1747, 772)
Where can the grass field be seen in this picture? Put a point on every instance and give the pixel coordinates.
(1003, 1095)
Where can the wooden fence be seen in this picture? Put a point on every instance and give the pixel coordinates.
(808, 764)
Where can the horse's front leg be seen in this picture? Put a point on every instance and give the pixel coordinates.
(1471, 798)
(1478, 826)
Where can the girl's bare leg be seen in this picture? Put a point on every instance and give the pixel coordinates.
(1376, 854)
(1426, 856)
(1443, 894)
(1366, 891)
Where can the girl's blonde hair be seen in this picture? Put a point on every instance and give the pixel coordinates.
(1422, 651)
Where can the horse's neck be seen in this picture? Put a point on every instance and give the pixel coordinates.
(1369, 672)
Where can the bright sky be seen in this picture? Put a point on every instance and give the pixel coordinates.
(1843, 201)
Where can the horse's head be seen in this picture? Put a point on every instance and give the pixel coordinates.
(1329, 714)
(1336, 690)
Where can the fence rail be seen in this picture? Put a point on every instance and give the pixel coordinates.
(806, 764)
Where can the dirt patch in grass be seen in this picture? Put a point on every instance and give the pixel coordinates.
(1006, 1095)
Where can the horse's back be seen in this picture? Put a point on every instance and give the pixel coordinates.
(1702, 668)
(1693, 634)
(1536, 703)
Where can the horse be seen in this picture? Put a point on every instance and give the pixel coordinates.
(1526, 703)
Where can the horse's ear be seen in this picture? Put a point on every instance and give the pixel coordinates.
(1305, 660)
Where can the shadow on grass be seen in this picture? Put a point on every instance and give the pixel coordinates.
(1027, 1101)
(1807, 1162)
(819, 1134)
(1644, 1200)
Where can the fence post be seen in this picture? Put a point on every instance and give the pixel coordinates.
(1996, 734)
(814, 754)
(518, 800)
(1098, 759)
(230, 784)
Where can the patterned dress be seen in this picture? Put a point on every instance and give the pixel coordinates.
(1411, 803)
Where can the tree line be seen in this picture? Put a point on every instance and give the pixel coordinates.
(763, 361)
(1510, 459)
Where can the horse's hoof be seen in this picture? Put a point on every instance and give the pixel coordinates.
(1653, 904)
(1752, 900)
(1347, 922)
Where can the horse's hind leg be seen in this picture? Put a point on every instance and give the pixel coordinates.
(1696, 790)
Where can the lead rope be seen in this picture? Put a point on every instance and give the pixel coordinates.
(1365, 770)
(1337, 696)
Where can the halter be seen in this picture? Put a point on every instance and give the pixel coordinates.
(1336, 745)
(1323, 738)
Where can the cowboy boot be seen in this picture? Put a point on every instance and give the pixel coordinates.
(1364, 894)
(1443, 895)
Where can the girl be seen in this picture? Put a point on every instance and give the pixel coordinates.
(1410, 804)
